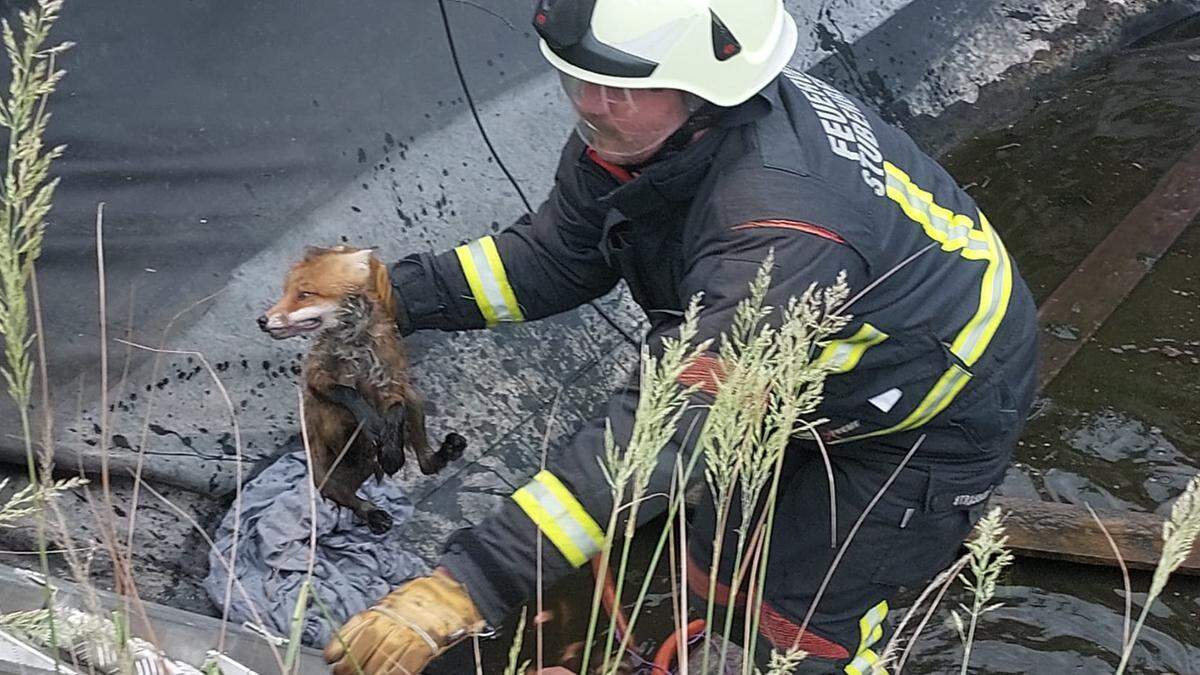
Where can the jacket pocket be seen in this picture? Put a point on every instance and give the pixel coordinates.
(921, 545)
(926, 537)
(986, 417)
(890, 384)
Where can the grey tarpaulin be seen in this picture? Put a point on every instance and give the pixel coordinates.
(353, 567)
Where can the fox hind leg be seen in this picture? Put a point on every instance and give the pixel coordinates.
(391, 439)
(431, 462)
(342, 489)
(340, 483)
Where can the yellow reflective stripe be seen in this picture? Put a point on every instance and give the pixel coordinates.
(497, 267)
(842, 356)
(870, 628)
(481, 265)
(994, 294)
(938, 399)
(956, 233)
(861, 665)
(552, 507)
(476, 284)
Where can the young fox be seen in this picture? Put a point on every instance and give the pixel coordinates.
(356, 375)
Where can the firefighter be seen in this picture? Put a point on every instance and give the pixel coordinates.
(698, 151)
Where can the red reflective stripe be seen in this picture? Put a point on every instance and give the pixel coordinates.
(798, 225)
(780, 631)
(619, 172)
(706, 371)
(784, 634)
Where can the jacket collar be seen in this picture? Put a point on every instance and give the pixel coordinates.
(758, 106)
(670, 182)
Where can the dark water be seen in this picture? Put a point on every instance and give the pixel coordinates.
(1120, 427)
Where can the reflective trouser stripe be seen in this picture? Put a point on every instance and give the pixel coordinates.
(870, 627)
(485, 275)
(842, 356)
(558, 514)
(995, 290)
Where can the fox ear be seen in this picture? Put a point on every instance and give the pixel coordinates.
(362, 258)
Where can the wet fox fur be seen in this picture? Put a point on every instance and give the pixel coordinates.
(356, 375)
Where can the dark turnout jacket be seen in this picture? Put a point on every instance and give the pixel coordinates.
(941, 342)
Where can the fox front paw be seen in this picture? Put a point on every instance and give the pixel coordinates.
(453, 447)
(379, 521)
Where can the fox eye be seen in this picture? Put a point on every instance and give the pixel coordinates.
(304, 295)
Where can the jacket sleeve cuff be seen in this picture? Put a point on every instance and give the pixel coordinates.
(424, 298)
(466, 561)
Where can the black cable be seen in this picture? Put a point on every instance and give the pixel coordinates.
(462, 81)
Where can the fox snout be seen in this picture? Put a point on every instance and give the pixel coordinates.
(276, 324)
(281, 322)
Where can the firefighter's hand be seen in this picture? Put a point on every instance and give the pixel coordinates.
(406, 629)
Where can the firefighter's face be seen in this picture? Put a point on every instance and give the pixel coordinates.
(626, 126)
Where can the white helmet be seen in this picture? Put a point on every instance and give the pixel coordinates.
(723, 51)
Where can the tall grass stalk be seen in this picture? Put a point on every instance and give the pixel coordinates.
(758, 582)
(770, 381)
(104, 514)
(301, 609)
(30, 499)
(767, 381)
(237, 457)
(679, 557)
(660, 407)
(1125, 580)
(941, 583)
(28, 192)
(989, 557)
(675, 499)
(1179, 535)
(734, 430)
(837, 558)
(539, 617)
(515, 650)
(225, 564)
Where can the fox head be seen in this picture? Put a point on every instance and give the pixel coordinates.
(316, 288)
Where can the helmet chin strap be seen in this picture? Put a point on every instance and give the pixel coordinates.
(705, 116)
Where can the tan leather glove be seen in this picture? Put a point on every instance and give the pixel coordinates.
(405, 630)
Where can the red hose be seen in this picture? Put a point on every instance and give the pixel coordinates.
(665, 658)
(609, 599)
(667, 653)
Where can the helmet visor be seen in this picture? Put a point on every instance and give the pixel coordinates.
(627, 126)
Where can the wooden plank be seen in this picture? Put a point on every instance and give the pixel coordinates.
(1067, 532)
(1106, 277)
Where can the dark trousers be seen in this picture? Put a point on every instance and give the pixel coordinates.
(913, 532)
